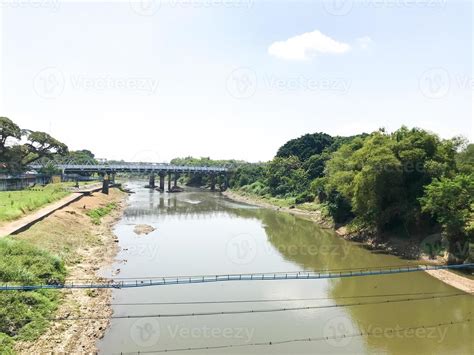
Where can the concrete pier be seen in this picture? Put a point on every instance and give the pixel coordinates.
(151, 183)
(162, 182)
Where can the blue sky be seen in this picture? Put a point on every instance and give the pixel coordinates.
(153, 80)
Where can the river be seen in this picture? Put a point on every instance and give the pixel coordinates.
(203, 233)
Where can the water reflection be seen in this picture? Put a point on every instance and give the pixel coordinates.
(204, 233)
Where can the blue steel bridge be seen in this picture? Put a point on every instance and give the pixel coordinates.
(161, 170)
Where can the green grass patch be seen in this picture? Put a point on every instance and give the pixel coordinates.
(23, 314)
(16, 204)
(96, 214)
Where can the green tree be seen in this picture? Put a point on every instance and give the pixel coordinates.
(16, 155)
(465, 159)
(305, 146)
(451, 202)
(286, 177)
(423, 156)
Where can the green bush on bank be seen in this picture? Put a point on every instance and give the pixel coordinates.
(96, 214)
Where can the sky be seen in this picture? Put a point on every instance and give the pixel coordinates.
(152, 80)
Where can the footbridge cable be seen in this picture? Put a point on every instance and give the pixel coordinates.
(179, 280)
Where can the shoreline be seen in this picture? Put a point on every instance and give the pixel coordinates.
(96, 248)
(457, 281)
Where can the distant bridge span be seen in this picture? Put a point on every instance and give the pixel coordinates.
(139, 168)
(152, 169)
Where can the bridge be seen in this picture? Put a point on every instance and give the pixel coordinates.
(173, 171)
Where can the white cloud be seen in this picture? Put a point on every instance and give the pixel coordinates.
(307, 45)
(365, 42)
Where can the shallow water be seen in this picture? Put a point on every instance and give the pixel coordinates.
(203, 233)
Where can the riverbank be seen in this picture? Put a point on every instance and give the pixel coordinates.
(405, 249)
(15, 205)
(85, 246)
(314, 215)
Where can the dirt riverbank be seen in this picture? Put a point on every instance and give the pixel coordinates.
(406, 249)
(86, 248)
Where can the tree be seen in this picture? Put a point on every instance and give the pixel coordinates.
(17, 155)
(246, 174)
(423, 156)
(8, 130)
(305, 146)
(465, 160)
(314, 166)
(285, 177)
(83, 156)
(451, 202)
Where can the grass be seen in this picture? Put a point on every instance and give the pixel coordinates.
(23, 313)
(16, 204)
(41, 254)
(96, 214)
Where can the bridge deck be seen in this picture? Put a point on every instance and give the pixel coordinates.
(151, 168)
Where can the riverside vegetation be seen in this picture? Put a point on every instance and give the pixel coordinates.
(53, 249)
(410, 183)
(67, 244)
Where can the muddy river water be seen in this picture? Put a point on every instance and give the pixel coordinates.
(203, 233)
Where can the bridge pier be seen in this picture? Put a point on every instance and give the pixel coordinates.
(169, 182)
(225, 184)
(162, 182)
(151, 183)
(213, 182)
(105, 185)
(176, 176)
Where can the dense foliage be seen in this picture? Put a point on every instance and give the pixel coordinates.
(451, 202)
(20, 147)
(408, 180)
